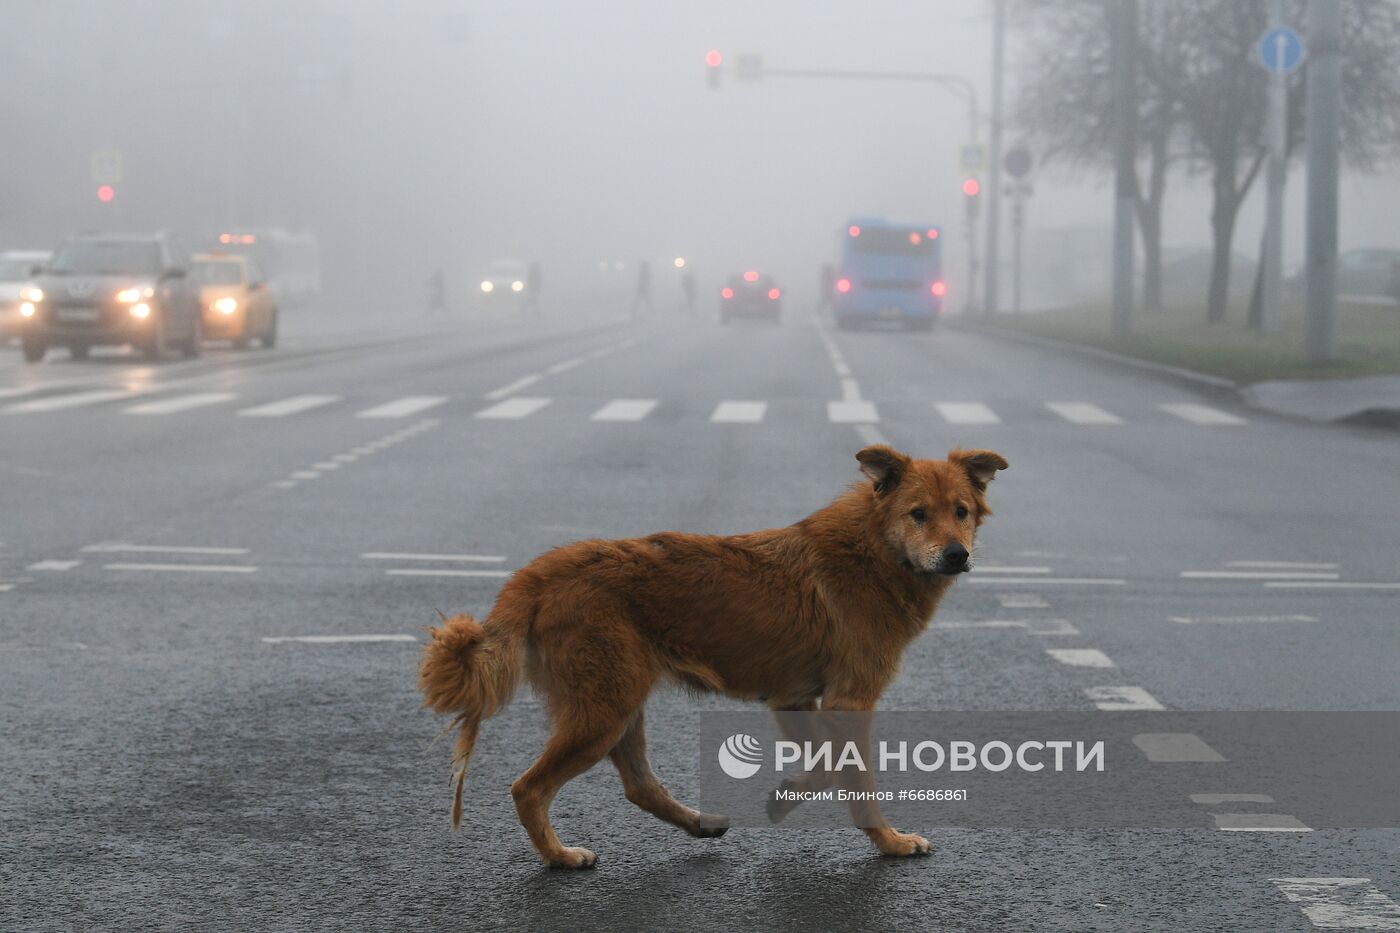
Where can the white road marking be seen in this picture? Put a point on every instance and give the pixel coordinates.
(402, 408)
(1047, 581)
(1122, 699)
(345, 458)
(739, 412)
(842, 370)
(1232, 620)
(334, 639)
(1083, 413)
(113, 547)
(1280, 565)
(624, 409)
(289, 406)
(185, 568)
(1342, 585)
(72, 400)
(511, 388)
(429, 572)
(325, 465)
(850, 390)
(564, 366)
(1031, 626)
(852, 413)
(601, 352)
(869, 434)
(283, 483)
(169, 406)
(1002, 568)
(513, 408)
(392, 555)
(1257, 575)
(1211, 800)
(966, 413)
(1341, 903)
(1022, 601)
(1081, 657)
(54, 565)
(1175, 746)
(16, 391)
(1200, 414)
(6, 587)
(305, 474)
(1259, 823)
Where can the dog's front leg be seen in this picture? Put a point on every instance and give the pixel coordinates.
(851, 723)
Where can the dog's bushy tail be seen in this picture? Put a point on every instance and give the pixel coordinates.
(470, 671)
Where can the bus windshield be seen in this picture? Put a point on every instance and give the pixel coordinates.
(892, 241)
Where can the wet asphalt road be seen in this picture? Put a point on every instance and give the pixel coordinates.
(173, 762)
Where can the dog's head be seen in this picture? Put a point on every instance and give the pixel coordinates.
(928, 510)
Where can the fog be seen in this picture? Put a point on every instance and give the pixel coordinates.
(424, 134)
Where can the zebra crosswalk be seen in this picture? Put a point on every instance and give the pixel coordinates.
(849, 411)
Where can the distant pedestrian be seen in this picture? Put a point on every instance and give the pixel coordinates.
(688, 291)
(643, 295)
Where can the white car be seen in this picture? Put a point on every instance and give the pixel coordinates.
(17, 278)
(507, 279)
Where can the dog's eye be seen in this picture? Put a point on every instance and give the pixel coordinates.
(961, 512)
(919, 515)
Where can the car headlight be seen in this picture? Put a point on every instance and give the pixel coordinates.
(517, 286)
(129, 296)
(226, 305)
(141, 311)
(33, 294)
(26, 309)
(488, 286)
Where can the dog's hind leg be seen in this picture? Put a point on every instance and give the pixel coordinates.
(645, 790)
(580, 740)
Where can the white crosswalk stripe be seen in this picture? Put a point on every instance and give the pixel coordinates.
(625, 409)
(731, 412)
(1083, 413)
(72, 400)
(1341, 903)
(178, 403)
(967, 413)
(513, 408)
(402, 408)
(289, 406)
(855, 412)
(1200, 414)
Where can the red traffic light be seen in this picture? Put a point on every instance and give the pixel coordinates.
(939, 289)
(105, 193)
(853, 230)
(971, 187)
(843, 285)
(713, 59)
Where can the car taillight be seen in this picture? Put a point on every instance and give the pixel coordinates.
(727, 292)
(773, 294)
(939, 289)
(751, 276)
(843, 285)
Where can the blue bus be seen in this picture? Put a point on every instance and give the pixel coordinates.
(889, 272)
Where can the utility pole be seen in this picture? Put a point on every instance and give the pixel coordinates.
(1272, 286)
(1123, 51)
(1324, 101)
(991, 297)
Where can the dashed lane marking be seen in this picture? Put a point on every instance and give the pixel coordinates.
(1280, 565)
(1176, 746)
(1258, 575)
(514, 408)
(1237, 620)
(1260, 823)
(1341, 903)
(54, 565)
(852, 412)
(402, 408)
(184, 568)
(334, 639)
(1030, 626)
(1047, 581)
(564, 366)
(73, 400)
(434, 572)
(523, 382)
(1002, 568)
(393, 555)
(114, 547)
(1333, 585)
(1200, 414)
(1083, 413)
(1213, 800)
(1122, 699)
(179, 403)
(288, 406)
(1022, 601)
(967, 413)
(1081, 657)
(738, 412)
(625, 409)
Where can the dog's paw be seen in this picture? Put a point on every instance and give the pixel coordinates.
(573, 857)
(901, 845)
(711, 826)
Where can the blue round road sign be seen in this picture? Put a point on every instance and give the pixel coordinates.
(1281, 50)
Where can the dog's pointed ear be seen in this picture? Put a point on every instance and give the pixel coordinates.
(981, 465)
(884, 465)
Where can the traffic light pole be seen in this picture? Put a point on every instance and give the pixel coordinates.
(994, 162)
(1324, 100)
(955, 83)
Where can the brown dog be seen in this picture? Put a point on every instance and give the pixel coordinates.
(819, 611)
